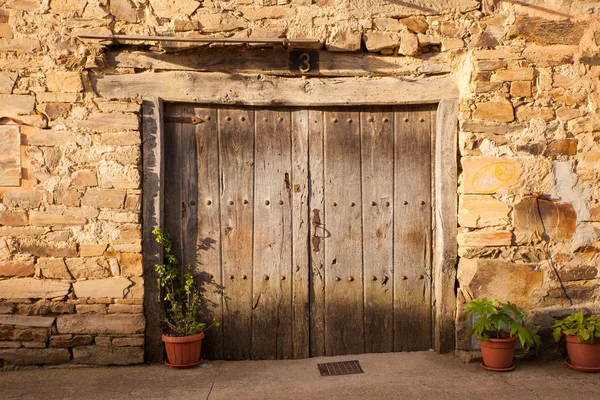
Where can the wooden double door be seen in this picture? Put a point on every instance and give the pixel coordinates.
(309, 229)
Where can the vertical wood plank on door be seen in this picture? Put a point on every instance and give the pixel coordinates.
(189, 189)
(300, 234)
(377, 151)
(272, 286)
(412, 225)
(208, 244)
(173, 181)
(236, 158)
(318, 232)
(343, 254)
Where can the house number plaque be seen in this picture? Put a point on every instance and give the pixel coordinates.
(304, 62)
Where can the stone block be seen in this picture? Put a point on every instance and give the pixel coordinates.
(94, 355)
(133, 202)
(520, 89)
(386, 43)
(6, 308)
(171, 8)
(343, 40)
(543, 31)
(520, 284)
(415, 24)
(47, 249)
(58, 97)
(483, 175)
(128, 341)
(452, 44)
(10, 154)
(23, 334)
(525, 113)
(30, 288)
(504, 54)
(112, 288)
(490, 65)
(516, 74)
(118, 139)
(85, 178)
(66, 82)
(561, 147)
(387, 24)
(44, 307)
(51, 138)
(13, 218)
(25, 199)
(16, 269)
(124, 10)
(28, 321)
(477, 211)
(213, 23)
(90, 309)
(70, 340)
(137, 290)
(547, 219)
(91, 249)
(20, 45)
(484, 238)
(125, 309)
(490, 127)
(578, 273)
(109, 324)
(131, 264)
(21, 231)
(497, 111)
(549, 56)
(9, 345)
(53, 268)
(409, 44)
(68, 7)
(35, 356)
(67, 196)
(41, 218)
(7, 81)
(110, 122)
(103, 341)
(88, 268)
(103, 198)
(55, 110)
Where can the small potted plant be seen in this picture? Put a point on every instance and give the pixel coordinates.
(184, 331)
(582, 335)
(498, 326)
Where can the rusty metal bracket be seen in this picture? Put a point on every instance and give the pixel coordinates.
(184, 120)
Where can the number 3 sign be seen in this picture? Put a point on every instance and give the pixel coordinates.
(304, 62)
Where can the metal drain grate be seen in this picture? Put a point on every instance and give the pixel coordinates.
(340, 368)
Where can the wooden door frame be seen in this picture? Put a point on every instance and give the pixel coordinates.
(252, 90)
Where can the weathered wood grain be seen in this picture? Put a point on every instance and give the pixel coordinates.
(300, 234)
(208, 245)
(412, 230)
(377, 181)
(319, 233)
(272, 279)
(445, 256)
(343, 255)
(275, 61)
(259, 90)
(152, 216)
(189, 190)
(236, 155)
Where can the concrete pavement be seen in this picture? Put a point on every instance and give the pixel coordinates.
(421, 375)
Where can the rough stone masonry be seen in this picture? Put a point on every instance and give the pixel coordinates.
(71, 284)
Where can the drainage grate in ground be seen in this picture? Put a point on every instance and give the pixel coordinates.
(340, 368)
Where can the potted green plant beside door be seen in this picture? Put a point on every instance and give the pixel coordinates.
(582, 335)
(498, 326)
(183, 328)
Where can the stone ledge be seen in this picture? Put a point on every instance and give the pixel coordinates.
(35, 356)
(108, 355)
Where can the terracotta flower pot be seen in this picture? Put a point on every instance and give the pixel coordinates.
(583, 355)
(183, 352)
(498, 353)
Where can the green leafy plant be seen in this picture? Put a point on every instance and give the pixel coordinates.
(587, 328)
(500, 321)
(182, 300)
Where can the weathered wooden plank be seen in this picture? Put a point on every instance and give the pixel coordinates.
(300, 234)
(412, 227)
(272, 285)
(173, 179)
(275, 61)
(189, 190)
(220, 88)
(377, 181)
(343, 255)
(236, 158)
(318, 232)
(208, 246)
(445, 255)
(152, 216)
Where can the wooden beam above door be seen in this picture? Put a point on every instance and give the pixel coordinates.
(260, 90)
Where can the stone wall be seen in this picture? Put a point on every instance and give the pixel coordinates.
(71, 284)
